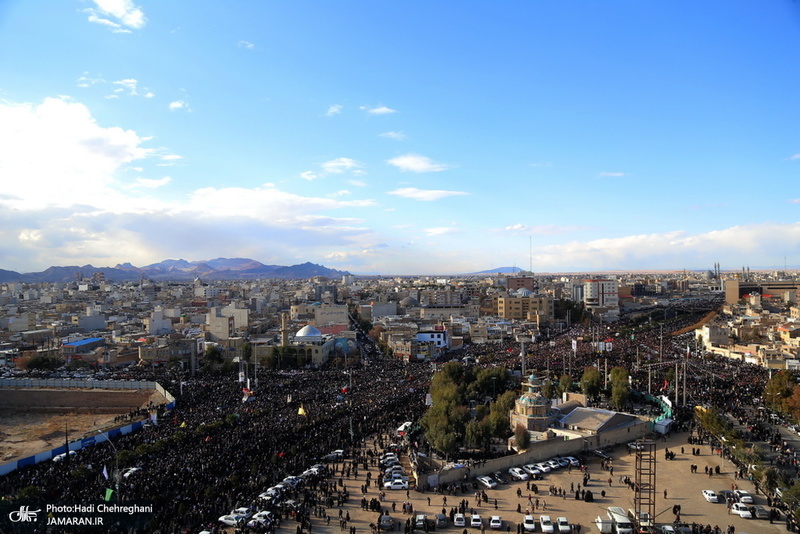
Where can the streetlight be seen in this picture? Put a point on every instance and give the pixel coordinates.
(494, 393)
(117, 474)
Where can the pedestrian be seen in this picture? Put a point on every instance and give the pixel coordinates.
(665, 494)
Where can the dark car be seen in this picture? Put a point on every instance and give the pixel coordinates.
(601, 454)
(499, 477)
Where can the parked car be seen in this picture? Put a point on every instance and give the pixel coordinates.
(496, 522)
(518, 474)
(532, 470)
(759, 512)
(710, 496)
(459, 520)
(396, 485)
(386, 522)
(441, 521)
(574, 462)
(743, 496)
(546, 523)
(563, 524)
(742, 510)
(601, 454)
(499, 477)
(475, 521)
(543, 467)
(529, 523)
(486, 482)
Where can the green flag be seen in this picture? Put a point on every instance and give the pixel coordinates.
(109, 493)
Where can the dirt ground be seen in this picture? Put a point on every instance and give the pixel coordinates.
(24, 433)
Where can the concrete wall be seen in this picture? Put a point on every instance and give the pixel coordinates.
(544, 450)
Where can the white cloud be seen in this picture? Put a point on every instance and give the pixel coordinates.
(69, 204)
(425, 195)
(308, 175)
(123, 11)
(87, 81)
(334, 110)
(378, 110)
(440, 230)
(340, 165)
(397, 136)
(417, 163)
(247, 45)
(51, 147)
(611, 174)
(543, 229)
(795, 156)
(341, 193)
(150, 183)
(357, 183)
(178, 105)
(795, 201)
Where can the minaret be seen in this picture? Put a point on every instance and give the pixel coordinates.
(284, 329)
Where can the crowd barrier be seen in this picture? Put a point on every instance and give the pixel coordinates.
(86, 441)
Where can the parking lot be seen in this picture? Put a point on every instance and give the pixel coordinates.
(683, 488)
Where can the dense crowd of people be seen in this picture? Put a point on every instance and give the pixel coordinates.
(217, 450)
(213, 452)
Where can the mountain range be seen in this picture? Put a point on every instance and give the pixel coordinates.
(176, 270)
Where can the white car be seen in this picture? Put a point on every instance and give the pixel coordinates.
(543, 467)
(531, 469)
(553, 464)
(710, 496)
(518, 474)
(546, 523)
(743, 496)
(396, 485)
(459, 520)
(475, 521)
(563, 524)
(496, 522)
(397, 476)
(487, 482)
(529, 523)
(231, 519)
(741, 510)
(574, 462)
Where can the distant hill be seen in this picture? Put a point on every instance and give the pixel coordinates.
(501, 270)
(177, 270)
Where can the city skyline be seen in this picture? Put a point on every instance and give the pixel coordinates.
(400, 138)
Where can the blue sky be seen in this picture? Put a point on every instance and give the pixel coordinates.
(401, 137)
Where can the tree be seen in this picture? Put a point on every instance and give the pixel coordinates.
(591, 382)
(549, 389)
(476, 434)
(564, 384)
(778, 389)
(522, 439)
(618, 374)
(44, 362)
(793, 403)
(620, 393)
(214, 354)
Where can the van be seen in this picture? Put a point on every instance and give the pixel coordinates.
(622, 525)
(404, 428)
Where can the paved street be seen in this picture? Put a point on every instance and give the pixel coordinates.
(683, 488)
